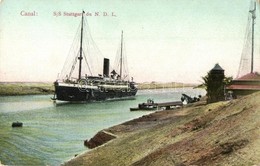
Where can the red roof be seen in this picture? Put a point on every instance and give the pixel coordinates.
(246, 82)
(244, 87)
(250, 76)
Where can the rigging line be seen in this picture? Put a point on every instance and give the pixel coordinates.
(115, 64)
(89, 54)
(118, 57)
(125, 66)
(87, 63)
(87, 46)
(72, 58)
(68, 59)
(95, 48)
(126, 60)
(245, 55)
(247, 34)
(92, 40)
(73, 66)
(74, 51)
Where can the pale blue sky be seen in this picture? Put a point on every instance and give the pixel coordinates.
(166, 40)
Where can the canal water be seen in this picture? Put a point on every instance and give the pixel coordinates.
(54, 133)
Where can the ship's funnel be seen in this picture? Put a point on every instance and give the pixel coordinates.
(106, 67)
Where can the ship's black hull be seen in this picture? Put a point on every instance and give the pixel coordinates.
(70, 93)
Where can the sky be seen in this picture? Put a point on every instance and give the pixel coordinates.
(165, 40)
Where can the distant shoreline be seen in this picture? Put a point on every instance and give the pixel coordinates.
(158, 85)
(45, 88)
(25, 88)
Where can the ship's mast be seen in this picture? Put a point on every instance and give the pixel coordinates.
(121, 55)
(253, 29)
(80, 50)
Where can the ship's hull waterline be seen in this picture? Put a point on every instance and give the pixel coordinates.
(76, 92)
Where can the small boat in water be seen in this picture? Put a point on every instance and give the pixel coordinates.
(148, 106)
(17, 124)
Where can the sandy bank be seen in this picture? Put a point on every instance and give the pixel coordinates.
(158, 85)
(223, 133)
(25, 88)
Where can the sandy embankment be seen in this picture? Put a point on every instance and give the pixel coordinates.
(26, 88)
(223, 133)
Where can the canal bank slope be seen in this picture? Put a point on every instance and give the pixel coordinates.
(223, 133)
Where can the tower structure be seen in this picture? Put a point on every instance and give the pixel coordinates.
(215, 85)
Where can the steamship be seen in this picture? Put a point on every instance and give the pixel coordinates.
(88, 87)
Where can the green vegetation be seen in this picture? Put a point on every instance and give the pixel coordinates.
(215, 92)
(21, 88)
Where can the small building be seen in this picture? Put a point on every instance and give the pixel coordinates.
(215, 86)
(245, 85)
